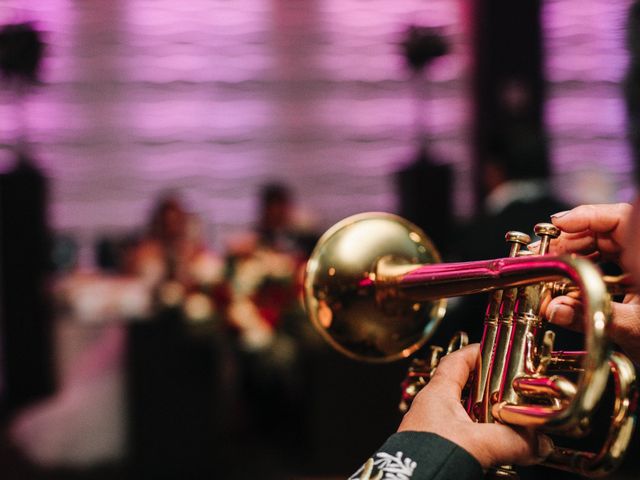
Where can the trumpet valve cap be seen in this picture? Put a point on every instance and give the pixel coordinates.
(517, 237)
(546, 230)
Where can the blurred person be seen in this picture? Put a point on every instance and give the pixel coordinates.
(518, 197)
(179, 371)
(25, 304)
(274, 223)
(264, 269)
(173, 248)
(279, 224)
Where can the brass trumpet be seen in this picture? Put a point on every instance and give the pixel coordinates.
(375, 290)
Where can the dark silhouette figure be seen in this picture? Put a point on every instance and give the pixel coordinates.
(25, 311)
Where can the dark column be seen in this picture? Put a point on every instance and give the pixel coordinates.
(508, 84)
(25, 316)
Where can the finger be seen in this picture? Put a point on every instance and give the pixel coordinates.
(566, 312)
(626, 323)
(587, 244)
(453, 371)
(605, 218)
(510, 446)
(583, 243)
(592, 230)
(631, 299)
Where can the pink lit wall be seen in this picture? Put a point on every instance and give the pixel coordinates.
(215, 97)
(586, 61)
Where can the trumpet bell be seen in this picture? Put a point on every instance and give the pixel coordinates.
(342, 299)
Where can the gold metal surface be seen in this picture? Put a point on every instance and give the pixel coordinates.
(500, 305)
(343, 295)
(611, 453)
(374, 289)
(616, 285)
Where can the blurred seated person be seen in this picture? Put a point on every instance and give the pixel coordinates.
(280, 225)
(518, 196)
(178, 373)
(173, 248)
(264, 268)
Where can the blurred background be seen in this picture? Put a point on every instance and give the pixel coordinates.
(167, 166)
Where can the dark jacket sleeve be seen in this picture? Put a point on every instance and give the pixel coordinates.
(419, 456)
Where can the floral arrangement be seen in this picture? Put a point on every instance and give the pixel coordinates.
(263, 287)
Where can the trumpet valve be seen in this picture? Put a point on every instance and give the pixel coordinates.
(546, 231)
(516, 240)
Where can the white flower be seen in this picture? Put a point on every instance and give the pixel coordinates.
(206, 269)
(277, 265)
(249, 275)
(198, 307)
(255, 333)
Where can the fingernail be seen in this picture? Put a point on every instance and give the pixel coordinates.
(545, 446)
(560, 214)
(552, 314)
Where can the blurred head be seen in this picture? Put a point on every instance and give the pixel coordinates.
(521, 156)
(275, 206)
(169, 219)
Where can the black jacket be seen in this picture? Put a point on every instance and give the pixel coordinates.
(419, 456)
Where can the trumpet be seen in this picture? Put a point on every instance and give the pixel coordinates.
(376, 291)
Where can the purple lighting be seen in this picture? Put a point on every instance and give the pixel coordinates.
(217, 97)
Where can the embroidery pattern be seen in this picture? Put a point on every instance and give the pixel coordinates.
(387, 467)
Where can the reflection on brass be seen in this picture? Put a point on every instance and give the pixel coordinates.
(495, 338)
(375, 290)
(344, 283)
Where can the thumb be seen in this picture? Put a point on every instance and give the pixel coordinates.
(518, 446)
(625, 325)
(566, 312)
